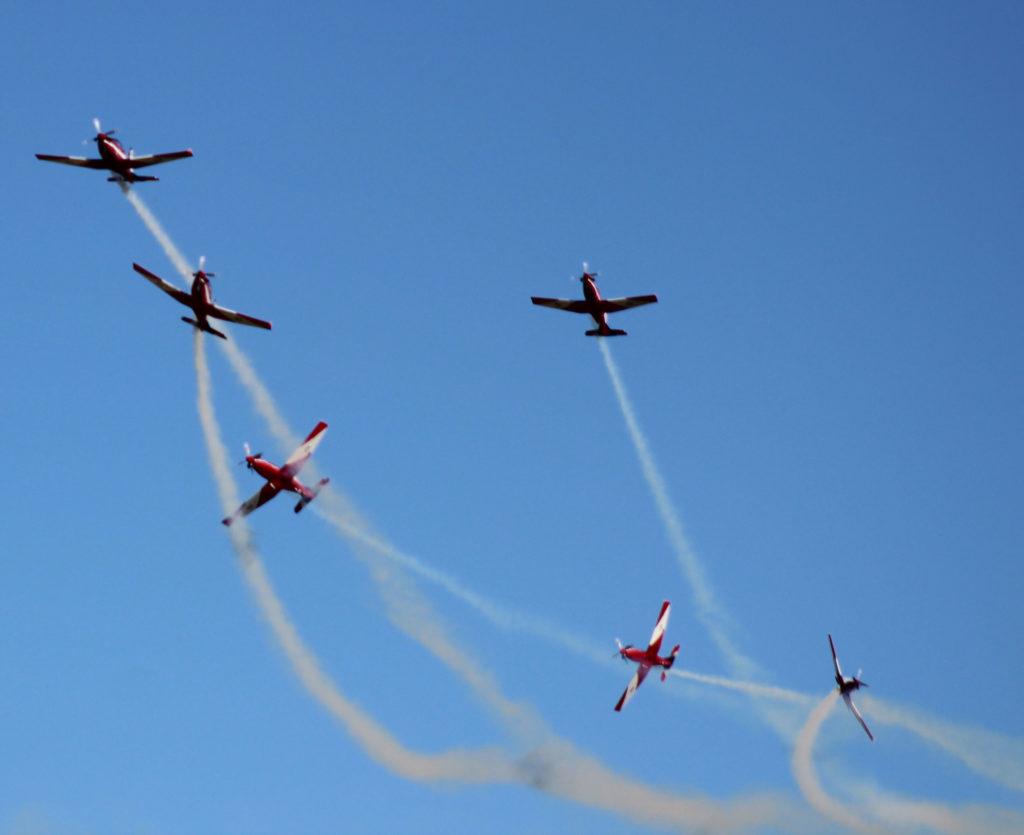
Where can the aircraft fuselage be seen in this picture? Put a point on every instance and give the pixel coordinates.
(117, 159)
(280, 479)
(640, 656)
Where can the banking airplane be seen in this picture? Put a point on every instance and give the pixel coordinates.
(113, 158)
(847, 686)
(593, 304)
(645, 659)
(283, 477)
(200, 299)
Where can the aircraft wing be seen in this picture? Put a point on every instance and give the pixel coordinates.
(659, 629)
(853, 707)
(261, 497)
(835, 659)
(301, 455)
(156, 159)
(615, 305)
(572, 305)
(81, 162)
(218, 312)
(634, 683)
(169, 289)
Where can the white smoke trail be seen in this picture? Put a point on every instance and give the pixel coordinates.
(994, 756)
(890, 811)
(156, 230)
(766, 691)
(708, 610)
(347, 521)
(553, 766)
(376, 742)
(407, 608)
(807, 779)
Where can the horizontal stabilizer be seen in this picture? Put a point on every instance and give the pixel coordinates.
(315, 491)
(208, 329)
(609, 332)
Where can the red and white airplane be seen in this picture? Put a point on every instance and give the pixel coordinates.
(200, 299)
(114, 158)
(645, 659)
(283, 477)
(593, 304)
(847, 686)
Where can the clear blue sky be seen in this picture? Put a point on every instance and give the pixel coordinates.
(828, 203)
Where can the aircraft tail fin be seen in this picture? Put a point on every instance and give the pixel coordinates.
(314, 491)
(669, 662)
(608, 332)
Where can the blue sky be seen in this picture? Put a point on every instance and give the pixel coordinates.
(827, 202)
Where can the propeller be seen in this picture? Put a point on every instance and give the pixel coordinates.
(586, 270)
(99, 130)
(618, 652)
(248, 455)
(856, 678)
(202, 263)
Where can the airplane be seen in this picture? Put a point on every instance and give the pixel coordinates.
(200, 299)
(645, 659)
(847, 686)
(113, 158)
(283, 477)
(593, 304)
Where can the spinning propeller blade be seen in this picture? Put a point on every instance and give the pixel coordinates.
(202, 263)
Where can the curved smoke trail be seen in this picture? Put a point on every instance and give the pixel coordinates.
(891, 812)
(553, 766)
(807, 779)
(376, 742)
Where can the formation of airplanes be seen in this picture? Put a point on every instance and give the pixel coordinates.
(199, 299)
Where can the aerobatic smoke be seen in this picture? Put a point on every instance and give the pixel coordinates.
(156, 230)
(766, 691)
(553, 765)
(890, 811)
(708, 611)
(807, 779)
(466, 766)
(994, 756)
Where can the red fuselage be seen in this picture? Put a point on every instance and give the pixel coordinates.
(278, 477)
(593, 297)
(202, 298)
(644, 658)
(117, 159)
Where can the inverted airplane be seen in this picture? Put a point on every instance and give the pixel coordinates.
(114, 158)
(283, 477)
(593, 304)
(847, 686)
(200, 299)
(648, 658)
